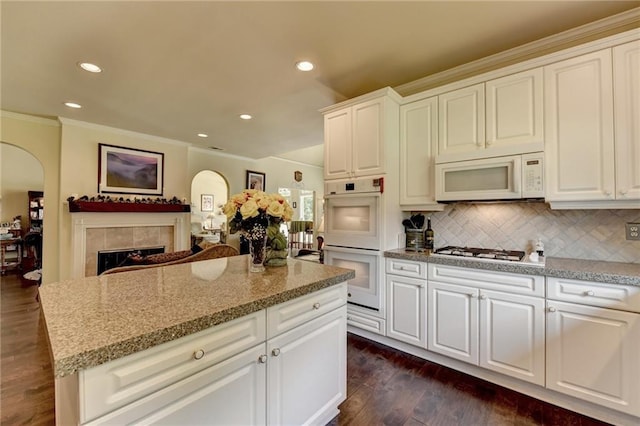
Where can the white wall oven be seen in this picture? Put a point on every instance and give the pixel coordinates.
(499, 178)
(353, 235)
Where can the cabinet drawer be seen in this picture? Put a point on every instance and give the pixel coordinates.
(407, 268)
(122, 381)
(366, 322)
(532, 285)
(615, 296)
(288, 315)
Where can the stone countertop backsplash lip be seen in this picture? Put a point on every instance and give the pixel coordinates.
(93, 320)
(577, 269)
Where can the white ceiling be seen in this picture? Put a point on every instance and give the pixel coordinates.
(175, 69)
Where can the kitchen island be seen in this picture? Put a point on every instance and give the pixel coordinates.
(205, 340)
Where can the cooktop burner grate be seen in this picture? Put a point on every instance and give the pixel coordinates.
(482, 253)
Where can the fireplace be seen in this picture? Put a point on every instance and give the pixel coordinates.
(94, 232)
(108, 259)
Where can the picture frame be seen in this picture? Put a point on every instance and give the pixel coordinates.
(206, 202)
(124, 170)
(256, 180)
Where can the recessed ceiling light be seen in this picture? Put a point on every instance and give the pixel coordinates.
(73, 105)
(245, 116)
(87, 66)
(203, 135)
(304, 66)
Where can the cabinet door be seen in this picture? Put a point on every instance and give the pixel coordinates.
(418, 139)
(593, 353)
(368, 138)
(512, 335)
(337, 144)
(406, 315)
(514, 112)
(453, 321)
(307, 371)
(626, 78)
(579, 150)
(231, 392)
(461, 120)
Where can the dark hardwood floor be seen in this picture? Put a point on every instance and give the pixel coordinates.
(26, 389)
(385, 387)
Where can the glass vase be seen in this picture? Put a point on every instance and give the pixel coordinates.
(257, 251)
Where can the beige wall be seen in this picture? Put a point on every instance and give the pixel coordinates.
(41, 138)
(79, 168)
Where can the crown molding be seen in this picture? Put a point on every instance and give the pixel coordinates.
(123, 132)
(31, 118)
(583, 34)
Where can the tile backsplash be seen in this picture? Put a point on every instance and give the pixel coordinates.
(579, 234)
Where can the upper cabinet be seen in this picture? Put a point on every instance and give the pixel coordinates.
(502, 116)
(585, 160)
(360, 136)
(418, 143)
(626, 96)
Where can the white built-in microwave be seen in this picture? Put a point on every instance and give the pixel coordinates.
(499, 178)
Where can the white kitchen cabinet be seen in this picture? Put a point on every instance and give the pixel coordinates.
(593, 342)
(461, 121)
(453, 321)
(626, 82)
(502, 116)
(406, 310)
(217, 395)
(512, 335)
(579, 151)
(418, 146)
(359, 134)
(307, 371)
(593, 354)
(486, 318)
(252, 370)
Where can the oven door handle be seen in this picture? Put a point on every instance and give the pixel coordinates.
(352, 194)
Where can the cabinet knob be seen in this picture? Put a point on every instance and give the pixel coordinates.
(198, 354)
(483, 296)
(552, 309)
(607, 192)
(589, 293)
(349, 318)
(348, 294)
(316, 305)
(472, 295)
(623, 192)
(262, 359)
(275, 352)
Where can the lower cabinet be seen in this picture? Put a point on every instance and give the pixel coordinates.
(593, 352)
(496, 330)
(294, 372)
(406, 314)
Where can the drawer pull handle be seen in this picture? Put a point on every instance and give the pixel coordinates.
(589, 293)
(552, 309)
(198, 354)
(275, 352)
(316, 305)
(262, 359)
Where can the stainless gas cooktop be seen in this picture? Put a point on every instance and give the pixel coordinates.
(482, 253)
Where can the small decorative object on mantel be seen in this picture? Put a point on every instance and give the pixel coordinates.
(104, 204)
(258, 216)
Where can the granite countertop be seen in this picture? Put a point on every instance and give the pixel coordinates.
(578, 269)
(93, 320)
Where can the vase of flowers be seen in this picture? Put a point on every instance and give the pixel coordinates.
(257, 215)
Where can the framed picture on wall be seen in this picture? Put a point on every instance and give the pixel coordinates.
(206, 202)
(130, 171)
(256, 180)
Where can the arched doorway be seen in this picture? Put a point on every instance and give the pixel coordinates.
(209, 191)
(22, 174)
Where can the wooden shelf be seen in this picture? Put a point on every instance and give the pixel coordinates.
(111, 207)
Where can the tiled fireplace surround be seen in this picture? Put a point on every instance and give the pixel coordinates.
(93, 232)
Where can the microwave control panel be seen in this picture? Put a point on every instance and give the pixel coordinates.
(532, 176)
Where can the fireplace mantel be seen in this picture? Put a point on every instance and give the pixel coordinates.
(81, 222)
(113, 207)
